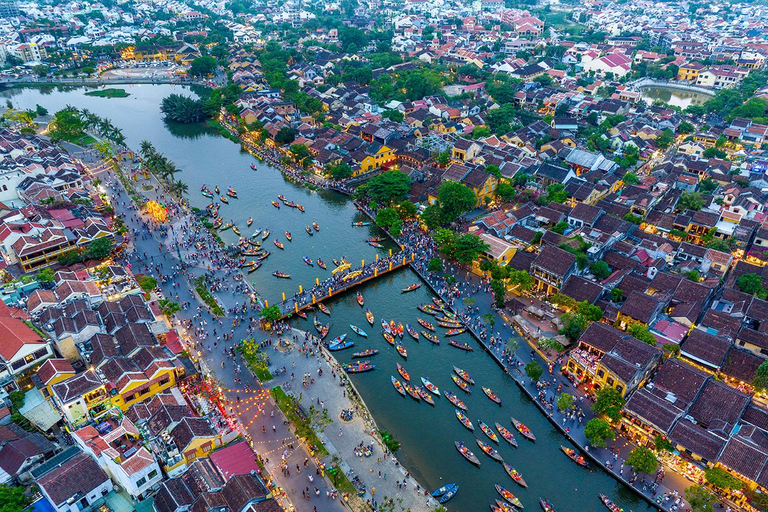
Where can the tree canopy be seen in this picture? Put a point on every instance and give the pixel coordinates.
(598, 431)
(609, 402)
(643, 460)
(455, 199)
(388, 187)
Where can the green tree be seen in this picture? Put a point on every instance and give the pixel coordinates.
(499, 292)
(693, 275)
(339, 171)
(565, 402)
(760, 382)
(67, 124)
(435, 265)
(146, 283)
(750, 283)
(169, 307)
(666, 139)
(690, 201)
(534, 371)
(598, 431)
(609, 402)
(40, 110)
(589, 311)
(700, 499)
(600, 269)
(13, 499)
(520, 279)
(506, 191)
(560, 227)
(617, 295)
(271, 314)
(393, 115)
(642, 333)
(707, 185)
(467, 248)
(202, 66)
(387, 218)
(556, 193)
(432, 216)
(100, 248)
(714, 153)
(455, 199)
(45, 276)
(388, 187)
(182, 109)
(443, 158)
(720, 478)
(285, 135)
(630, 178)
(662, 444)
(685, 127)
(643, 460)
(574, 325)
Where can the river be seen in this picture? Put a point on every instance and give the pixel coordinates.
(426, 433)
(674, 97)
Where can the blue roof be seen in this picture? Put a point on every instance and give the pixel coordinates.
(41, 505)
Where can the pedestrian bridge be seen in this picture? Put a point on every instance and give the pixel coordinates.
(682, 86)
(362, 274)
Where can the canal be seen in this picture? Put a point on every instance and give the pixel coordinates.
(426, 433)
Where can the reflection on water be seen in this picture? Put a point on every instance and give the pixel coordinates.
(674, 97)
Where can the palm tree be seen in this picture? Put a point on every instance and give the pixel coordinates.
(180, 187)
(145, 148)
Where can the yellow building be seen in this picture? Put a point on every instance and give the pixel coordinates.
(194, 438)
(368, 162)
(690, 71)
(499, 251)
(51, 372)
(135, 379)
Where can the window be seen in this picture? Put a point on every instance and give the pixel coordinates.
(152, 474)
(141, 481)
(610, 381)
(600, 373)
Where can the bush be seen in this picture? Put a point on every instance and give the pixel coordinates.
(390, 442)
(147, 283)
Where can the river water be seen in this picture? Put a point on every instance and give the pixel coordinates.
(426, 433)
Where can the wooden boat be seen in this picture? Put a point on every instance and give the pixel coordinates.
(376, 245)
(235, 230)
(309, 230)
(207, 193)
(359, 299)
(249, 221)
(508, 496)
(300, 208)
(403, 372)
(414, 286)
(281, 275)
(493, 396)
(465, 376)
(263, 255)
(361, 224)
(369, 316)
(575, 456)
(430, 337)
(488, 431)
(318, 324)
(449, 325)
(308, 261)
(358, 367)
(506, 435)
(385, 326)
(216, 189)
(232, 193)
(444, 490)
(253, 167)
(282, 198)
(609, 504)
(321, 263)
(401, 350)
(358, 331)
(431, 387)
(546, 506)
(264, 235)
(335, 347)
(301, 314)
(455, 400)
(256, 233)
(428, 309)
(462, 345)
(464, 420)
(250, 252)
(503, 506)
(426, 324)
(217, 223)
(227, 226)
(455, 332)
(411, 391)
(324, 332)
(525, 431)
(466, 453)
(338, 339)
(323, 308)
(514, 475)
(288, 236)
(489, 450)
(443, 318)
(412, 332)
(224, 199)
(279, 245)
(400, 329)
(390, 339)
(251, 266)
(424, 394)
(316, 226)
(398, 386)
(463, 385)
(374, 239)
(276, 204)
(369, 352)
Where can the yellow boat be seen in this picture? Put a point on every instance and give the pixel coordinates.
(352, 275)
(341, 268)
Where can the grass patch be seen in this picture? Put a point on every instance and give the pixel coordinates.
(109, 93)
(290, 408)
(255, 359)
(207, 296)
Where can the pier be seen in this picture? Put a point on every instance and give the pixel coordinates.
(378, 268)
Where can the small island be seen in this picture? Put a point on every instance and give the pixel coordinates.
(109, 93)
